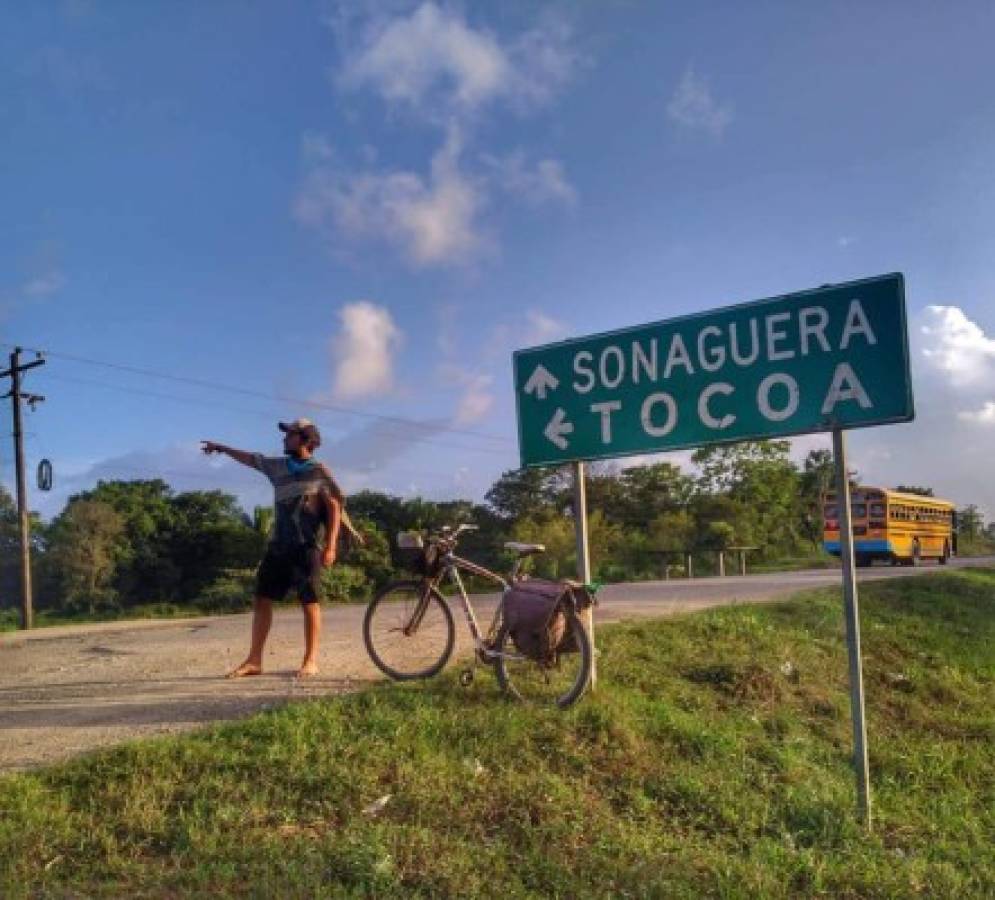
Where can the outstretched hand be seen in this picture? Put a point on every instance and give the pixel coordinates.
(210, 447)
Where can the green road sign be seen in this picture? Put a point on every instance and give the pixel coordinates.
(835, 357)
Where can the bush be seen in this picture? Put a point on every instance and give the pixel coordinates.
(342, 583)
(610, 573)
(230, 592)
(96, 602)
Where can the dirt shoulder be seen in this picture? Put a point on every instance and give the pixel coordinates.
(70, 689)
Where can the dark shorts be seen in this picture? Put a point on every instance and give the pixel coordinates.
(284, 568)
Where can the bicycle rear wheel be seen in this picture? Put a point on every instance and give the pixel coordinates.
(560, 683)
(409, 631)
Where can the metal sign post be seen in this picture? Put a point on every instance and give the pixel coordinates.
(584, 555)
(852, 616)
(822, 360)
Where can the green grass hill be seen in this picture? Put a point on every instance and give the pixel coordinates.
(713, 760)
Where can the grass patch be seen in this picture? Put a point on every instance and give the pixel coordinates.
(713, 761)
(10, 619)
(817, 559)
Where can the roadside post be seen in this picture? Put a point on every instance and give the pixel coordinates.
(584, 556)
(824, 360)
(742, 551)
(851, 614)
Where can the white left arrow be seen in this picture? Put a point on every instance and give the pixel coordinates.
(540, 381)
(557, 427)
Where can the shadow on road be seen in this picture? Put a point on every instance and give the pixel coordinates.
(176, 702)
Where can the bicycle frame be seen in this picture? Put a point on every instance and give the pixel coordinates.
(451, 567)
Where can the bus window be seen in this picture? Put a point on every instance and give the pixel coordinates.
(877, 510)
(859, 510)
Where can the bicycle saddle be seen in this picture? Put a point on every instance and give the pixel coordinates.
(524, 549)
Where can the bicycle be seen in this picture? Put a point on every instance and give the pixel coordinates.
(410, 633)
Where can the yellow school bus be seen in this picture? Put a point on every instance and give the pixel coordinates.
(903, 529)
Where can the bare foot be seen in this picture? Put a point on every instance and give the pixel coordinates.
(245, 670)
(307, 670)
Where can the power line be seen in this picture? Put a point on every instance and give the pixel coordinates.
(256, 412)
(236, 483)
(213, 385)
(195, 401)
(407, 425)
(233, 484)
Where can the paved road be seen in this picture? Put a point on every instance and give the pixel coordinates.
(66, 690)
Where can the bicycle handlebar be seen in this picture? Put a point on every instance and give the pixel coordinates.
(448, 534)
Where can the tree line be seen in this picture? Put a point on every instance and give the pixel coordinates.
(127, 544)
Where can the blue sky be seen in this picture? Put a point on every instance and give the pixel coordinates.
(364, 208)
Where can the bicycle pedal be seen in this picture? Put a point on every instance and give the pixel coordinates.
(466, 678)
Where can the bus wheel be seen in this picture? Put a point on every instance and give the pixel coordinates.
(946, 553)
(916, 553)
(863, 560)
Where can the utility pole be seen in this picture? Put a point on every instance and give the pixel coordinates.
(15, 370)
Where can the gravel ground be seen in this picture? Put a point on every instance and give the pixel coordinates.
(69, 689)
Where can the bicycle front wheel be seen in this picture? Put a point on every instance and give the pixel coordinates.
(408, 630)
(560, 683)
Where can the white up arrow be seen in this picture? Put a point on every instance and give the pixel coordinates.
(557, 427)
(540, 381)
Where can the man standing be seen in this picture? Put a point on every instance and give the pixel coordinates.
(308, 506)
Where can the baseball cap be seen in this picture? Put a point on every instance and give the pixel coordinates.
(305, 427)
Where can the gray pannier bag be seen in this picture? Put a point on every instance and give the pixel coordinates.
(583, 598)
(535, 615)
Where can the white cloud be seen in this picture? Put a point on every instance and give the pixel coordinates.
(545, 182)
(363, 350)
(430, 49)
(544, 60)
(531, 330)
(951, 443)
(693, 106)
(983, 416)
(476, 401)
(430, 61)
(433, 221)
(369, 455)
(541, 328)
(956, 346)
(34, 290)
(316, 147)
(433, 61)
(44, 285)
(476, 398)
